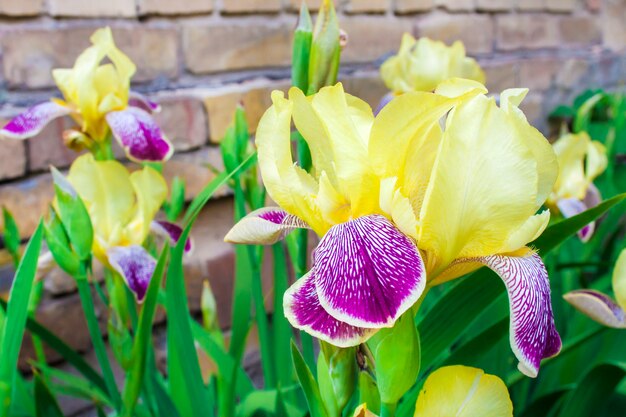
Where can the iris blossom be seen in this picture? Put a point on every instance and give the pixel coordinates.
(581, 160)
(599, 306)
(122, 207)
(402, 203)
(422, 64)
(98, 98)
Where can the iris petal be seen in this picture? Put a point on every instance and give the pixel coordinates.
(598, 307)
(170, 231)
(33, 120)
(135, 265)
(367, 272)
(138, 100)
(139, 135)
(304, 311)
(264, 226)
(571, 207)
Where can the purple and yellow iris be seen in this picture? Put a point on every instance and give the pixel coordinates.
(98, 98)
(433, 187)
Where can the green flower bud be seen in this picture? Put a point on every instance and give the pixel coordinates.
(302, 39)
(337, 375)
(325, 49)
(59, 244)
(208, 306)
(368, 392)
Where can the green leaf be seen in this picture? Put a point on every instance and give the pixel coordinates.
(45, 403)
(15, 320)
(476, 347)
(545, 405)
(66, 383)
(281, 327)
(307, 382)
(368, 392)
(259, 402)
(593, 391)
(143, 338)
(11, 235)
(59, 244)
(302, 50)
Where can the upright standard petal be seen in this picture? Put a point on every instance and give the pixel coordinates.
(33, 120)
(461, 391)
(532, 332)
(139, 135)
(264, 226)
(367, 272)
(135, 265)
(304, 311)
(170, 231)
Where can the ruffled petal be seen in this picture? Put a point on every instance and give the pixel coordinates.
(570, 207)
(135, 265)
(533, 334)
(304, 311)
(367, 272)
(598, 307)
(139, 135)
(139, 100)
(462, 391)
(170, 231)
(33, 120)
(264, 226)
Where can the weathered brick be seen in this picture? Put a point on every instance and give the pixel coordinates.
(47, 148)
(530, 5)
(579, 30)
(593, 5)
(12, 156)
(251, 6)
(168, 7)
(29, 55)
(294, 5)
(526, 31)
(613, 27)
(221, 104)
(214, 47)
(183, 120)
(571, 73)
(367, 6)
(365, 42)
(538, 73)
(368, 87)
(494, 5)
(561, 5)
(81, 8)
(464, 27)
(28, 199)
(456, 5)
(21, 7)
(532, 106)
(411, 6)
(501, 75)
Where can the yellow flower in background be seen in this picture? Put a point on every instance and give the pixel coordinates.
(422, 64)
(402, 198)
(581, 160)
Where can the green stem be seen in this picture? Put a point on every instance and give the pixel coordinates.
(102, 150)
(388, 410)
(96, 336)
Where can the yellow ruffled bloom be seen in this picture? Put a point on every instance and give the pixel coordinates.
(422, 64)
(94, 89)
(121, 205)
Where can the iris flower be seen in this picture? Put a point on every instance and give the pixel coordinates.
(599, 306)
(98, 99)
(581, 160)
(402, 203)
(122, 207)
(422, 64)
(459, 391)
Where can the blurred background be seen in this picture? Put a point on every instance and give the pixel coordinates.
(200, 58)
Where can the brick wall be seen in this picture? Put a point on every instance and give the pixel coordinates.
(199, 58)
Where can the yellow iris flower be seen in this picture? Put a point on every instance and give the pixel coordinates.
(422, 64)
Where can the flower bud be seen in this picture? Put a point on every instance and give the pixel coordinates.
(302, 50)
(337, 375)
(325, 49)
(59, 244)
(208, 306)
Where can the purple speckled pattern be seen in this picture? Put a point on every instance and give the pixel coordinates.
(171, 231)
(135, 265)
(33, 120)
(367, 272)
(136, 99)
(304, 311)
(533, 333)
(570, 207)
(139, 134)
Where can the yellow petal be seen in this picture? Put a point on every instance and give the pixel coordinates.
(619, 279)
(530, 230)
(288, 185)
(103, 38)
(596, 161)
(483, 186)
(398, 207)
(461, 391)
(362, 411)
(106, 190)
(65, 81)
(151, 190)
(571, 182)
(334, 207)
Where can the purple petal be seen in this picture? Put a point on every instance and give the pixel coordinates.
(33, 120)
(135, 265)
(264, 226)
(138, 100)
(139, 135)
(570, 207)
(368, 272)
(384, 101)
(171, 231)
(304, 311)
(598, 307)
(533, 334)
